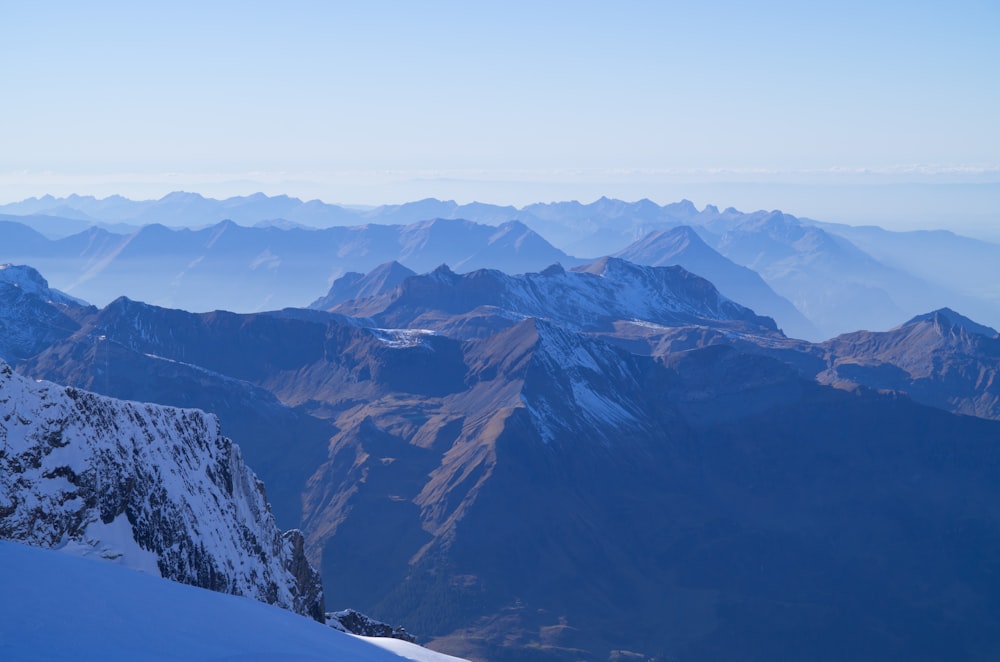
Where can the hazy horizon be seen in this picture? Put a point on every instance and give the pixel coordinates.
(842, 112)
(963, 208)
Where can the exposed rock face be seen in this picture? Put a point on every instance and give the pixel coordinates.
(151, 487)
(355, 622)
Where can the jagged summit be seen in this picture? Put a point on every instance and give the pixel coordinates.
(591, 297)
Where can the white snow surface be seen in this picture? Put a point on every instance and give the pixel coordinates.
(409, 651)
(56, 607)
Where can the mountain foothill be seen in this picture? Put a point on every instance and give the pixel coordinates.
(723, 436)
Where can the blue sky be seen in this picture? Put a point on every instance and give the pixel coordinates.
(800, 106)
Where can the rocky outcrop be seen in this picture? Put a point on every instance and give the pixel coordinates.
(155, 488)
(355, 622)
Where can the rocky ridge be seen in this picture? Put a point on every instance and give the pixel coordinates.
(151, 487)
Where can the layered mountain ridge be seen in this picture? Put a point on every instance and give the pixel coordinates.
(819, 279)
(251, 269)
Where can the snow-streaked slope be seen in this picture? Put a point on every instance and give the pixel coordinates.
(56, 607)
(151, 487)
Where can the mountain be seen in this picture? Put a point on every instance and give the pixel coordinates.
(151, 487)
(707, 504)
(135, 351)
(840, 278)
(591, 297)
(57, 607)
(834, 283)
(966, 267)
(535, 490)
(29, 281)
(32, 315)
(249, 269)
(941, 358)
(605, 225)
(51, 226)
(354, 285)
(683, 247)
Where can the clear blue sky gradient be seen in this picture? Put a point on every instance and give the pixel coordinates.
(507, 102)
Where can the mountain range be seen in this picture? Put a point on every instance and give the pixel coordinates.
(227, 266)
(612, 462)
(817, 280)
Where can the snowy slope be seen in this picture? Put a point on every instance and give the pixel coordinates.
(87, 611)
(150, 487)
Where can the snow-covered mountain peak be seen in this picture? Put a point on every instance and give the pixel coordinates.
(658, 293)
(29, 281)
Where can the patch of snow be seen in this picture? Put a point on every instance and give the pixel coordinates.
(403, 337)
(112, 542)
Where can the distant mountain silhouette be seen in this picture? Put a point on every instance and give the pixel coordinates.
(840, 278)
(250, 269)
